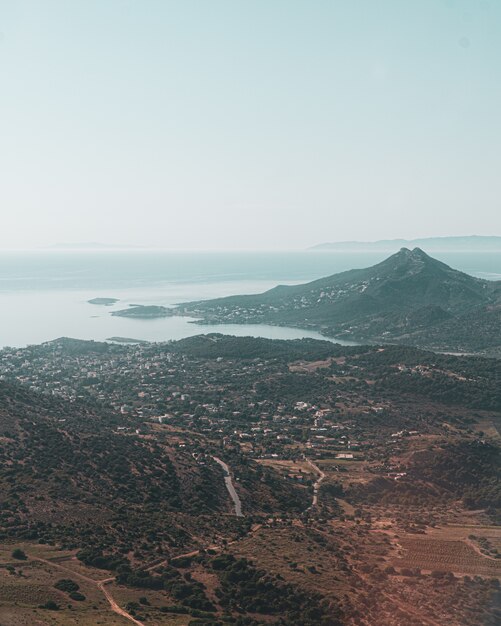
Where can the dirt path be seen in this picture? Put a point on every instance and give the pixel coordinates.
(113, 605)
(477, 549)
(100, 584)
(165, 562)
(68, 570)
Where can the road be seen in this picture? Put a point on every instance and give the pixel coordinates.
(230, 487)
(316, 486)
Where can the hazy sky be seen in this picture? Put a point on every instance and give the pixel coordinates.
(248, 123)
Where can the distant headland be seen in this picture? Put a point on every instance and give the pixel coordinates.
(470, 243)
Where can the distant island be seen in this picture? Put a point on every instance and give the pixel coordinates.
(145, 312)
(473, 243)
(103, 301)
(89, 245)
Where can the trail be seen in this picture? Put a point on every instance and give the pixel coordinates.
(230, 487)
(164, 562)
(410, 610)
(114, 606)
(316, 485)
(477, 549)
(100, 584)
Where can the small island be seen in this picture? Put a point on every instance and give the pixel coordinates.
(145, 312)
(103, 301)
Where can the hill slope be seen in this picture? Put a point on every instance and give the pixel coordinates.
(399, 299)
(65, 468)
(86, 476)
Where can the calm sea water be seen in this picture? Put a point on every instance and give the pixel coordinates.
(43, 295)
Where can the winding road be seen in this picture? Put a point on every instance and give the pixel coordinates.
(316, 485)
(230, 487)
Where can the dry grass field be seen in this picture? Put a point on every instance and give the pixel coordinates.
(352, 470)
(300, 555)
(310, 366)
(25, 585)
(287, 467)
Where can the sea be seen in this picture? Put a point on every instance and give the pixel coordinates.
(44, 294)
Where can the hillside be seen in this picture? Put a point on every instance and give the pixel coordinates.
(67, 466)
(409, 297)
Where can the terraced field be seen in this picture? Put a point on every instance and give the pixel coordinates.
(454, 555)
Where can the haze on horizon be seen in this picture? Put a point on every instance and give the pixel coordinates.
(257, 125)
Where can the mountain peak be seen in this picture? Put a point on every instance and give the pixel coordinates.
(413, 259)
(417, 253)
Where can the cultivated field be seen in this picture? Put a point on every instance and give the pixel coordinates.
(450, 550)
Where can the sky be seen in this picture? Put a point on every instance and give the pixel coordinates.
(248, 124)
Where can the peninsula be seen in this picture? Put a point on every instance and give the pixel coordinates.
(144, 311)
(409, 298)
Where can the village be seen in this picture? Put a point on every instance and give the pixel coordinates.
(153, 385)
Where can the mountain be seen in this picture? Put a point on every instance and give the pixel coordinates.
(409, 297)
(470, 243)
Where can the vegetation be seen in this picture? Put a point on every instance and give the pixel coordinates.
(245, 588)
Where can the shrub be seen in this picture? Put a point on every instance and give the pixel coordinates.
(50, 605)
(19, 554)
(67, 585)
(77, 596)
